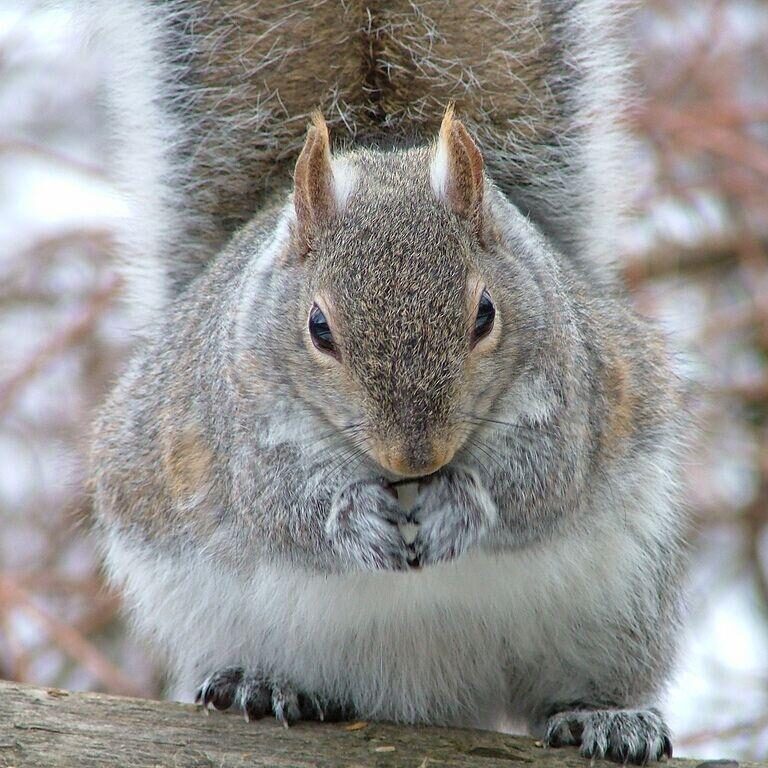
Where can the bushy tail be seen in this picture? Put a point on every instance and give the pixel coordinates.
(210, 103)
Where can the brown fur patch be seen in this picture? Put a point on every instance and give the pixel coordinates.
(188, 463)
(622, 403)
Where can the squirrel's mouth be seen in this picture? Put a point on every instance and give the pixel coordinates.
(408, 480)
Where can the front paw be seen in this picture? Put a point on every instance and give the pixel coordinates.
(363, 527)
(454, 513)
(624, 735)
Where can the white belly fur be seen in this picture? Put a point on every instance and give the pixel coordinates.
(428, 645)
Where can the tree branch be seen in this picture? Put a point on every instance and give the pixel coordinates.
(48, 728)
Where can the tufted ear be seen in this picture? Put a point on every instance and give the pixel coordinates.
(313, 183)
(457, 171)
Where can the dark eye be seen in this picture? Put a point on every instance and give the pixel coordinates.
(486, 313)
(320, 331)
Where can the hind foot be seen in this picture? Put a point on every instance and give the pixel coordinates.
(257, 697)
(636, 736)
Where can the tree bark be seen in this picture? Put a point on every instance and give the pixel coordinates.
(50, 728)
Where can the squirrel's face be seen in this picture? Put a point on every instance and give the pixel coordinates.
(398, 315)
(400, 333)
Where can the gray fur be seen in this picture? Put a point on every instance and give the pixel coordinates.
(234, 468)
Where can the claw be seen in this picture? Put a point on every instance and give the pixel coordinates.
(280, 714)
(318, 708)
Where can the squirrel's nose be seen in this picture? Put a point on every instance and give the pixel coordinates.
(408, 461)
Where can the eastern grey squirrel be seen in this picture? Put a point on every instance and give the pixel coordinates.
(433, 302)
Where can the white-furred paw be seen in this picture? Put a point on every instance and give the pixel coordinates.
(363, 527)
(454, 513)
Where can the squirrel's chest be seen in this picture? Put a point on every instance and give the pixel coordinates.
(437, 636)
(396, 644)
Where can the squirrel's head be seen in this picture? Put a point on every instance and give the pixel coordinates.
(399, 305)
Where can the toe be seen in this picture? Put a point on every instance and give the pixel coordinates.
(562, 732)
(285, 705)
(253, 697)
(219, 689)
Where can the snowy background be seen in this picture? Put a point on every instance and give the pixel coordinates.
(696, 258)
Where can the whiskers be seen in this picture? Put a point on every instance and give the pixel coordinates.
(337, 451)
(345, 457)
(498, 424)
(489, 455)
